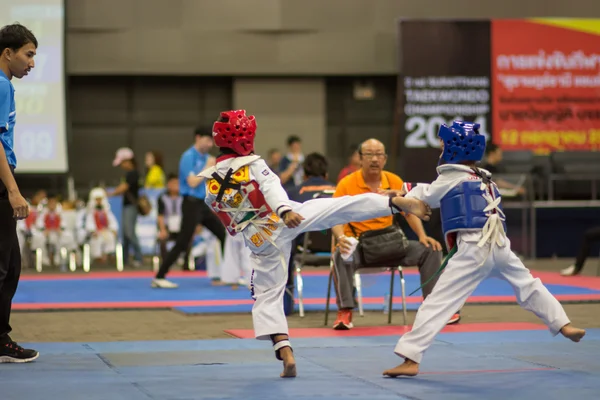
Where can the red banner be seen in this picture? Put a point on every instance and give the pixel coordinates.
(546, 84)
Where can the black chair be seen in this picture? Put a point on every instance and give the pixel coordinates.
(314, 251)
(517, 162)
(578, 172)
(358, 286)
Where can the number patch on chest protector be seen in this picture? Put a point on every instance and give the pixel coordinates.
(234, 201)
(257, 239)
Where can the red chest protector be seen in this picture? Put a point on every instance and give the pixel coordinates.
(31, 218)
(101, 220)
(255, 199)
(52, 221)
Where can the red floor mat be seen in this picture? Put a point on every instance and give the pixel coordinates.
(391, 330)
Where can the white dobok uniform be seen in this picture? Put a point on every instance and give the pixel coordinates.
(480, 252)
(253, 206)
(54, 232)
(236, 266)
(101, 225)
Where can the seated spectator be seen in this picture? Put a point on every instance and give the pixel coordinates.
(70, 223)
(101, 226)
(493, 163)
(315, 179)
(424, 253)
(81, 211)
(54, 234)
(26, 227)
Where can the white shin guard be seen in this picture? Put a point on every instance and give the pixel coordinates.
(280, 345)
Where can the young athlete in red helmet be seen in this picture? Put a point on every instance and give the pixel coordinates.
(249, 199)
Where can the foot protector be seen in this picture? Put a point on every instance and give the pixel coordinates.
(280, 345)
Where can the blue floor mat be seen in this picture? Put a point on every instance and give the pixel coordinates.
(82, 292)
(498, 365)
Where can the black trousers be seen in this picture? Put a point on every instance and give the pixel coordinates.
(194, 212)
(173, 237)
(589, 237)
(10, 262)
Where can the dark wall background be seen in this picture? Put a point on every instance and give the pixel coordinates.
(144, 113)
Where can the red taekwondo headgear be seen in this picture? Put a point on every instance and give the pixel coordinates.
(234, 130)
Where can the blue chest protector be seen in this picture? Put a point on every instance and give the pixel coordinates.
(462, 207)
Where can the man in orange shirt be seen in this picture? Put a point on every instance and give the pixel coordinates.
(425, 253)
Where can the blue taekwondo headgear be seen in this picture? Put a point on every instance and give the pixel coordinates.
(462, 142)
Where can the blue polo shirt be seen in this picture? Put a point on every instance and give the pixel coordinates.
(192, 161)
(8, 118)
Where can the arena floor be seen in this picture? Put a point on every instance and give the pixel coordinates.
(180, 370)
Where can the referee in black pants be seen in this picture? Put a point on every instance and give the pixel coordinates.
(17, 49)
(194, 211)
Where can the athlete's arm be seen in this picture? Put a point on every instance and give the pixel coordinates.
(432, 193)
(270, 187)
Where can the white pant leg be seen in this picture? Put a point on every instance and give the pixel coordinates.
(22, 241)
(95, 245)
(38, 240)
(245, 262)
(213, 258)
(199, 250)
(81, 236)
(53, 239)
(109, 239)
(230, 267)
(268, 282)
(322, 214)
(67, 240)
(531, 293)
(459, 279)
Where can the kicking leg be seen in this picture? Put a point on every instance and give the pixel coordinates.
(322, 214)
(454, 286)
(533, 296)
(268, 286)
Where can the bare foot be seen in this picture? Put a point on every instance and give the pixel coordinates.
(407, 368)
(572, 333)
(413, 206)
(289, 363)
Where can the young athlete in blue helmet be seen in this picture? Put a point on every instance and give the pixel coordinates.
(475, 231)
